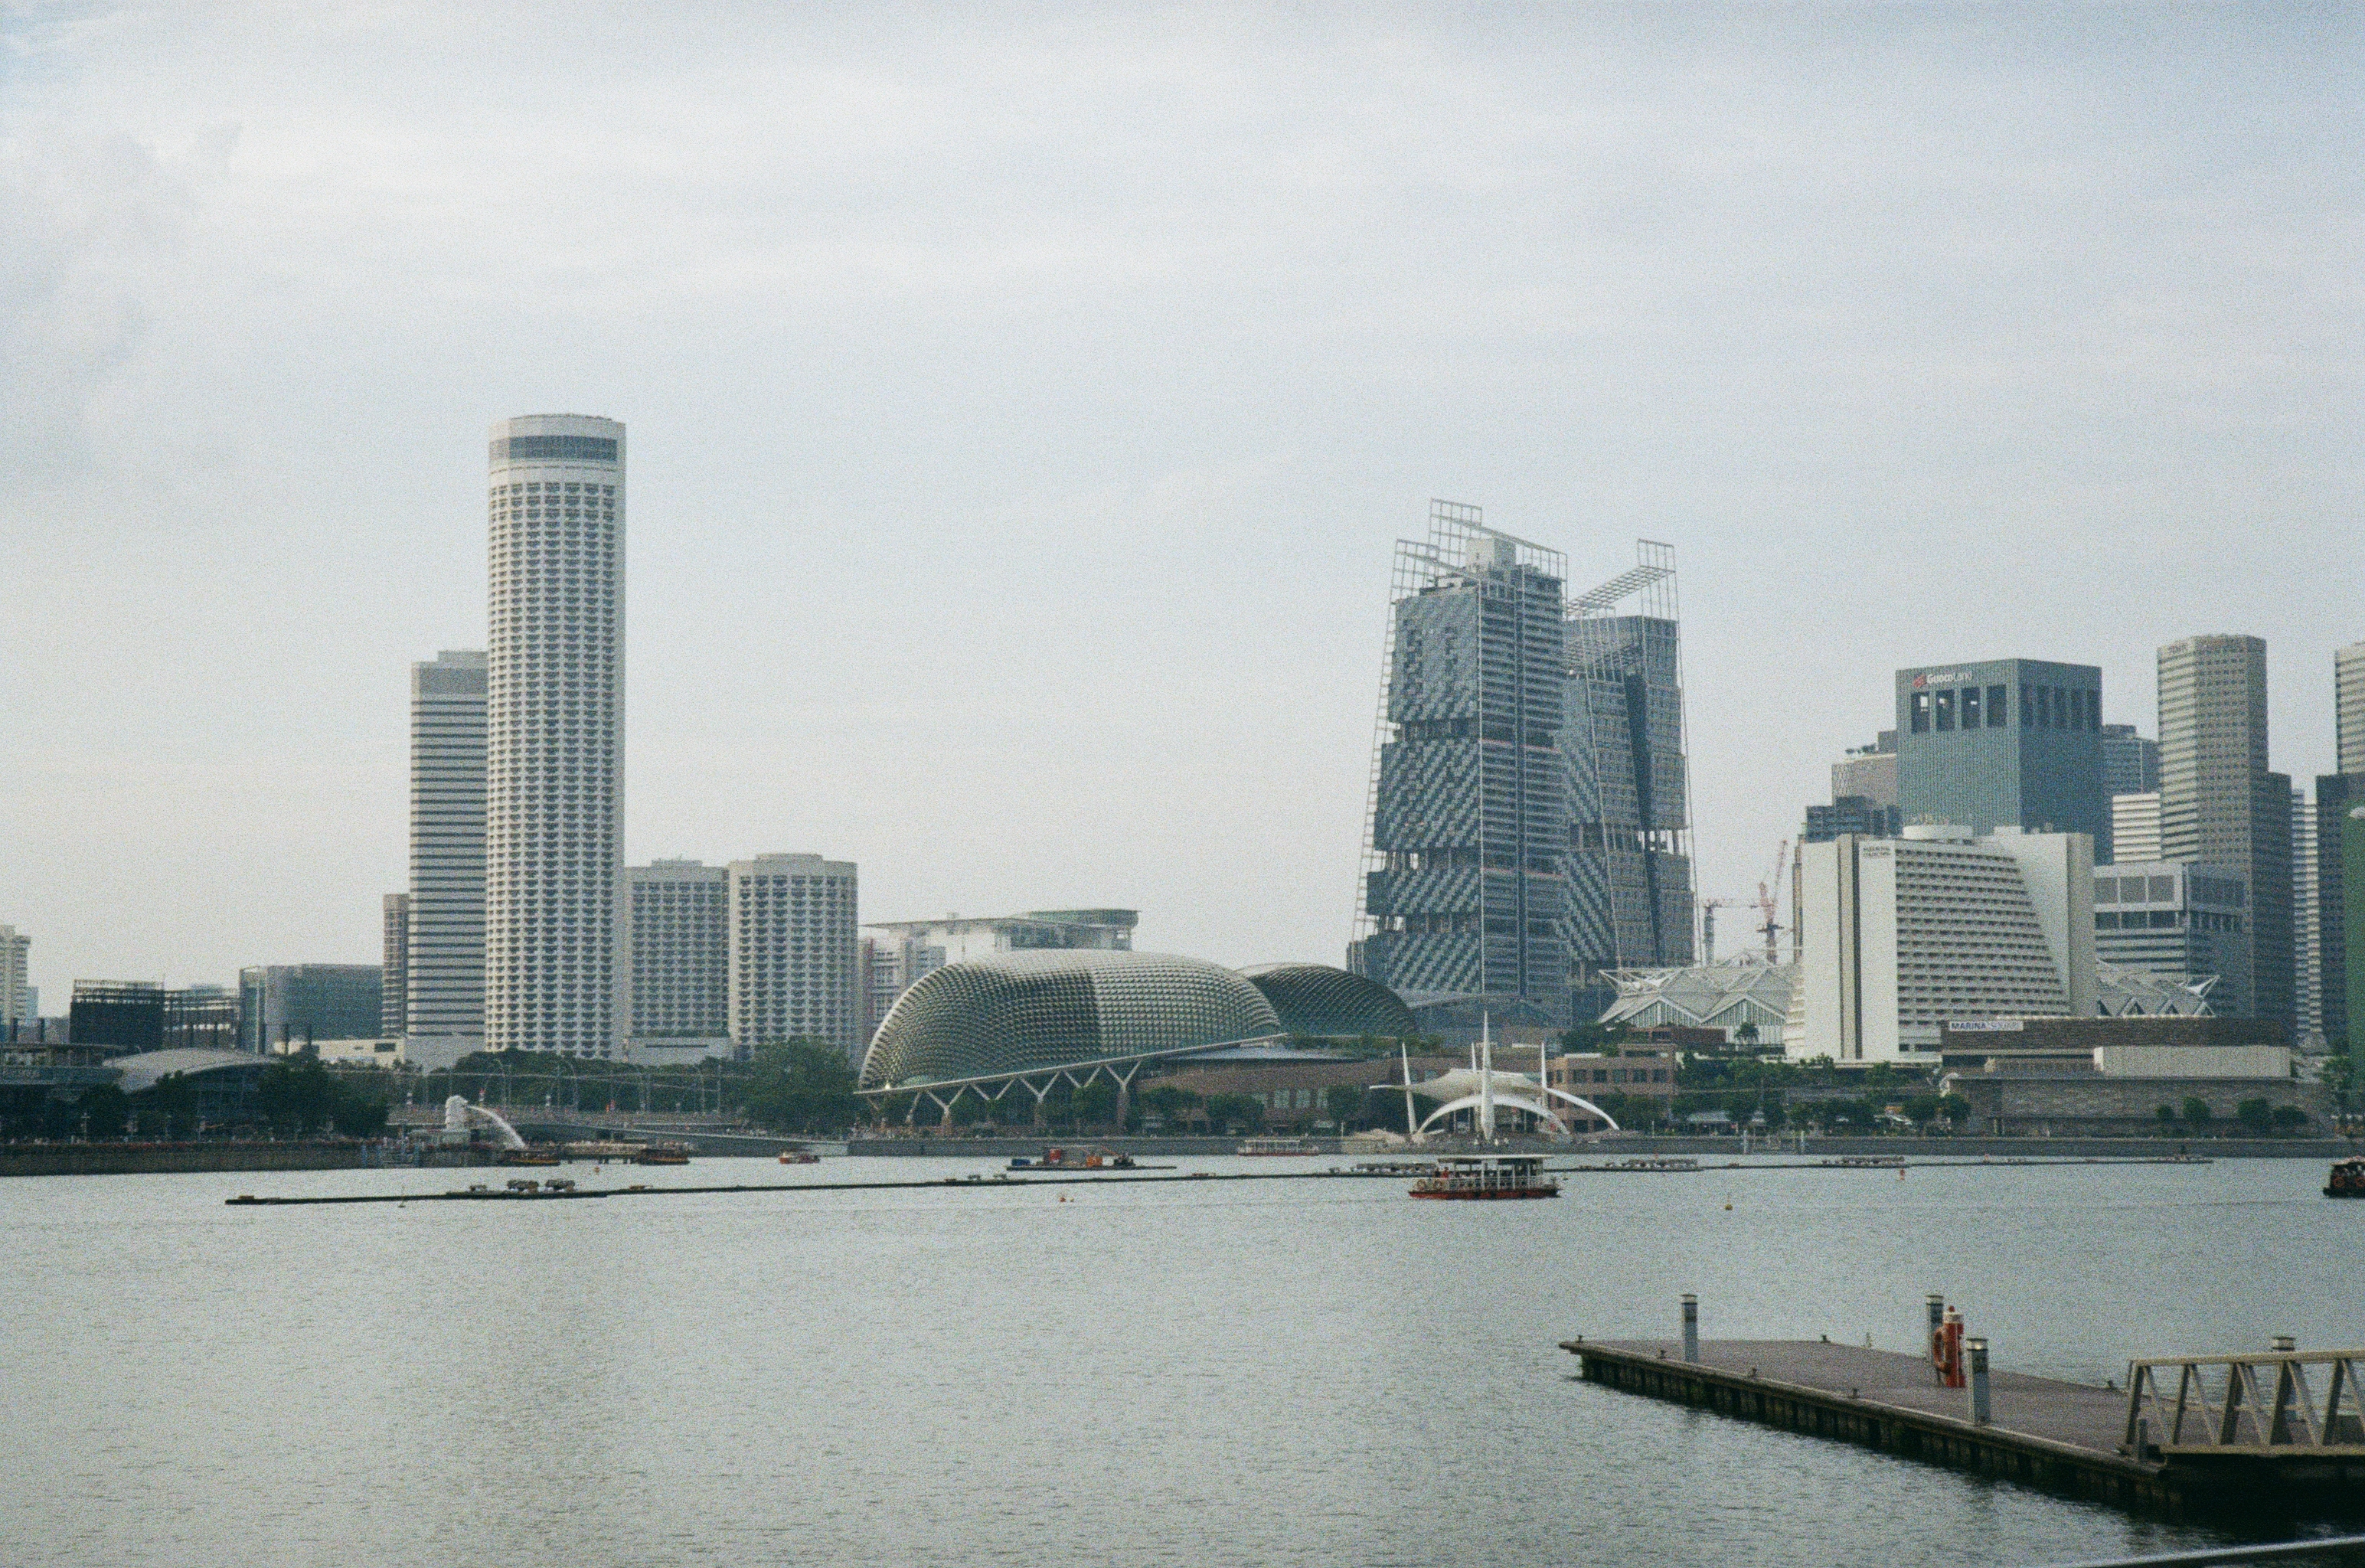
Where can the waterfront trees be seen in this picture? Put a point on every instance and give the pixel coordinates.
(299, 1095)
(802, 1086)
(104, 1111)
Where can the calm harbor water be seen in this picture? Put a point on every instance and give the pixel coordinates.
(1283, 1374)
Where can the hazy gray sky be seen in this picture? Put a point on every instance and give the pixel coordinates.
(1023, 402)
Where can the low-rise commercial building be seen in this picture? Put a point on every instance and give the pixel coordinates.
(1638, 1071)
(2056, 1042)
(280, 1005)
(382, 1050)
(2042, 1101)
(1298, 1093)
(2066, 1077)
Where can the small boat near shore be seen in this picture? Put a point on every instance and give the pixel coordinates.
(2346, 1178)
(662, 1154)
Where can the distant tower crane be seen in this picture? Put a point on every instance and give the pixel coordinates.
(1768, 901)
(1708, 908)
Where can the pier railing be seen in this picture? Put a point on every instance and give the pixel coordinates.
(2284, 1403)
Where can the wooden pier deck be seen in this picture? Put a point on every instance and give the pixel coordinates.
(2064, 1437)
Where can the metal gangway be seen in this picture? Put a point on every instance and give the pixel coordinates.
(2281, 1404)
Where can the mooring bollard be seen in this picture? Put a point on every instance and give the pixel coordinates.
(1691, 1327)
(1978, 1360)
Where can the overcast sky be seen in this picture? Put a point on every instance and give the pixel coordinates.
(1023, 403)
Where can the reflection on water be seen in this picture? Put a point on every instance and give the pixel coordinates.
(1278, 1373)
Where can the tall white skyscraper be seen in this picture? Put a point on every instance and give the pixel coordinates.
(444, 949)
(554, 717)
(795, 953)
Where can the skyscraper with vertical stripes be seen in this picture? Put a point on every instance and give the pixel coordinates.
(555, 722)
(2218, 803)
(444, 937)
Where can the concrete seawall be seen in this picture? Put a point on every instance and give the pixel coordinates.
(125, 1160)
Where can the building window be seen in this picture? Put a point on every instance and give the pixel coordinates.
(1971, 708)
(2027, 709)
(1995, 707)
(1920, 712)
(1944, 703)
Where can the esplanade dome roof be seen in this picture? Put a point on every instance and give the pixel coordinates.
(1016, 1012)
(1321, 1003)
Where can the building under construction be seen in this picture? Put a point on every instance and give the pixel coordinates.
(1528, 821)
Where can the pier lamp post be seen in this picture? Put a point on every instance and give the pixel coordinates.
(1691, 1327)
(1978, 1356)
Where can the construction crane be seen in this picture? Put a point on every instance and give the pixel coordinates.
(1769, 901)
(1708, 908)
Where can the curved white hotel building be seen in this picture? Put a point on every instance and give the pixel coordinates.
(555, 722)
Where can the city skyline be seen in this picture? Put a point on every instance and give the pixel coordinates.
(1132, 609)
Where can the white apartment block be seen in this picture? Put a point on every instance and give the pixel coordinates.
(16, 991)
(795, 969)
(1900, 935)
(443, 941)
(678, 914)
(555, 721)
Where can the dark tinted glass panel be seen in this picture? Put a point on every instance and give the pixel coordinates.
(555, 449)
(1946, 706)
(1995, 707)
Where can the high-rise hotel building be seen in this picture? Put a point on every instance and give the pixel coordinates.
(795, 965)
(555, 720)
(677, 913)
(442, 943)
